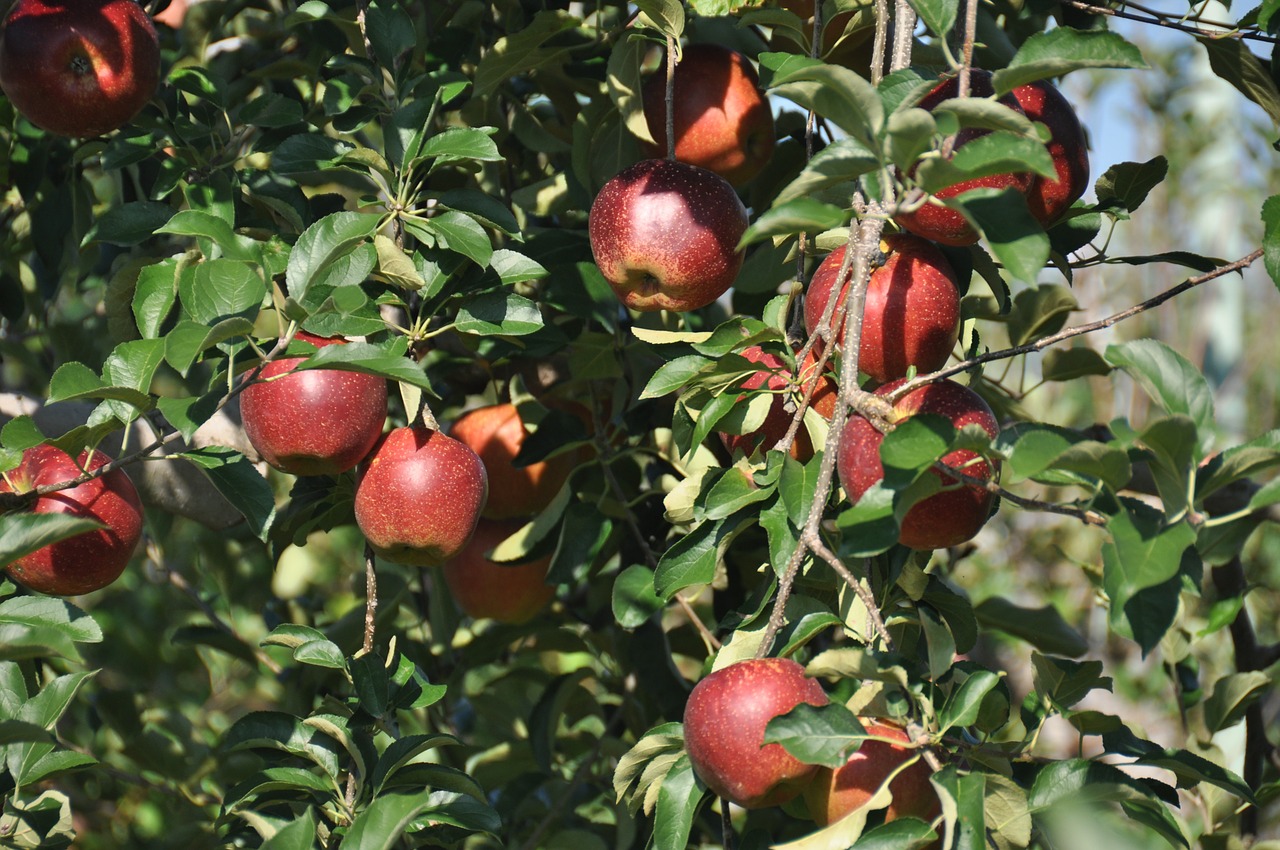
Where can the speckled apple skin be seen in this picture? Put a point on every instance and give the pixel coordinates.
(496, 434)
(947, 518)
(665, 235)
(1049, 199)
(314, 422)
(89, 561)
(834, 793)
(483, 588)
(419, 496)
(943, 224)
(79, 67)
(777, 377)
(724, 723)
(722, 120)
(912, 312)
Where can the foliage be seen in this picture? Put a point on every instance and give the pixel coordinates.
(418, 175)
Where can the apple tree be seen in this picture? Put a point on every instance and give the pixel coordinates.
(720, 423)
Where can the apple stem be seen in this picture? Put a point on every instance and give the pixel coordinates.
(670, 97)
(726, 820)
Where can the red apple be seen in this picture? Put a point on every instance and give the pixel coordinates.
(835, 793)
(912, 311)
(776, 377)
(724, 724)
(943, 224)
(313, 422)
(484, 588)
(949, 517)
(665, 235)
(88, 561)
(1049, 199)
(496, 434)
(722, 121)
(419, 496)
(79, 67)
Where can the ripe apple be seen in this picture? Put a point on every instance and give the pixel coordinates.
(724, 723)
(85, 562)
(912, 312)
(1049, 199)
(79, 67)
(313, 422)
(776, 377)
(943, 224)
(496, 434)
(958, 512)
(835, 793)
(665, 235)
(484, 588)
(722, 121)
(419, 496)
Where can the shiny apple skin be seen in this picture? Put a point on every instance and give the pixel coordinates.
(665, 235)
(89, 561)
(776, 377)
(482, 588)
(834, 793)
(1049, 198)
(79, 67)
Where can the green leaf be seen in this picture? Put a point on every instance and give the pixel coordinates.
(1169, 378)
(1231, 697)
(498, 312)
(239, 481)
(1126, 185)
(634, 599)
(840, 162)
(666, 15)
(1061, 50)
(1043, 627)
(802, 215)
(938, 15)
(385, 360)
(1144, 551)
(58, 614)
(321, 248)
(76, 381)
(1233, 61)
(154, 296)
(298, 834)
(624, 83)
(1271, 237)
(826, 735)
(457, 232)
(513, 267)
(320, 653)
(524, 50)
(679, 798)
(129, 224)
(380, 826)
(461, 143)
(1016, 238)
(834, 92)
(869, 527)
(1238, 462)
(404, 752)
(308, 152)
(47, 707)
(1064, 683)
(1067, 364)
(390, 31)
(999, 152)
(24, 533)
(961, 708)
(1039, 312)
(1188, 767)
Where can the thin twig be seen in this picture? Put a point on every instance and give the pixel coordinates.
(1150, 16)
(966, 49)
(864, 593)
(880, 45)
(671, 97)
(370, 599)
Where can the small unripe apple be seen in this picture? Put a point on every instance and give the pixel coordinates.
(778, 378)
(419, 496)
(88, 561)
(484, 588)
(943, 224)
(949, 517)
(911, 315)
(79, 67)
(722, 121)
(835, 793)
(1049, 198)
(496, 433)
(665, 235)
(316, 421)
(724, 725)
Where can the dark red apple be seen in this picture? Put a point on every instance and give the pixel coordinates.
(722, 121)
(958, 512)
(316, 421)
(665, 235)
(835, 793)
(419, 496)
(943, 224)
(496, 434)
(88, 561)
(724, 724)
(484, 588)
(1048, 198)
(79, 67)
(778, 378)
(912, 312)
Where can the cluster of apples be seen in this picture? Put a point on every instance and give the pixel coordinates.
(741, 768)
(79, 67)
